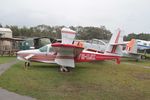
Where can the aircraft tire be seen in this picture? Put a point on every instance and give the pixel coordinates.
(26, 64)
(64, 69)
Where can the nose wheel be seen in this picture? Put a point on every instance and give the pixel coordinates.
(64, 69)
(26, 64)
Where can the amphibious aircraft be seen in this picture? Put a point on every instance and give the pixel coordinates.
(69, 52)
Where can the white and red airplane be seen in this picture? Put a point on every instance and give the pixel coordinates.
(68, 52)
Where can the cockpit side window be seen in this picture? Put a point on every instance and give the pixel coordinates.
(43, 49)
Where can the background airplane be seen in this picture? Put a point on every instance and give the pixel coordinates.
(142, 44)
(131, 50)
(68, 52)
(95, 45)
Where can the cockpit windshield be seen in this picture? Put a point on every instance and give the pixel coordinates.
(46, 49)
(43, 49)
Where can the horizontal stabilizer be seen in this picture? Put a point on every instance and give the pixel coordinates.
(118, 43)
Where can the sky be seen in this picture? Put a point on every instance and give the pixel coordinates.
(128, 15)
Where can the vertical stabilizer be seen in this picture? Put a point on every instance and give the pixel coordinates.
(132, 46)
(114, 47)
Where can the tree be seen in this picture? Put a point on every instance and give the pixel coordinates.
(142, 36)
(55, 31)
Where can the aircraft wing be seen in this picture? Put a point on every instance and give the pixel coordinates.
(118, 43)
(66, 53)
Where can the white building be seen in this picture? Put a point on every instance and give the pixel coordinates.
(5, 39)
(5, 32)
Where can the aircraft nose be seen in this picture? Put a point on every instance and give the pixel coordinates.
(18, 53)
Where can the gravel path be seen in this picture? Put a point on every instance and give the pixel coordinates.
(4, 67)
(6, 95)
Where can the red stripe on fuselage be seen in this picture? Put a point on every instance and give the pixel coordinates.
(86, 57)
(39, 57)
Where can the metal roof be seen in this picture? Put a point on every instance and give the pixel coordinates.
(15, 39)
(5, 30)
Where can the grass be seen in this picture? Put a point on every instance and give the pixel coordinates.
(88, 81)
(136, 63)
(148, 56)
(5, 59)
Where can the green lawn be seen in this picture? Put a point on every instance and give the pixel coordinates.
(5, 59)
(137, 63)
(88, 81)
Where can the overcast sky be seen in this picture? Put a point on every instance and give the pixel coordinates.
(129, 15)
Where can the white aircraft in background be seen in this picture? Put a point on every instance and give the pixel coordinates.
(95, 45)
(142, 44)
(130, 48)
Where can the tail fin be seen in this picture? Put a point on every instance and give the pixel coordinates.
(68, 35)
(114, 47)
(131, 47)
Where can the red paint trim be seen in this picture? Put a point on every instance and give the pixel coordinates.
(114, 49)
(116, 41)
(87, 57)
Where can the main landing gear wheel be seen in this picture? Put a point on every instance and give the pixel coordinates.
(26, 64)
(64, 69)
